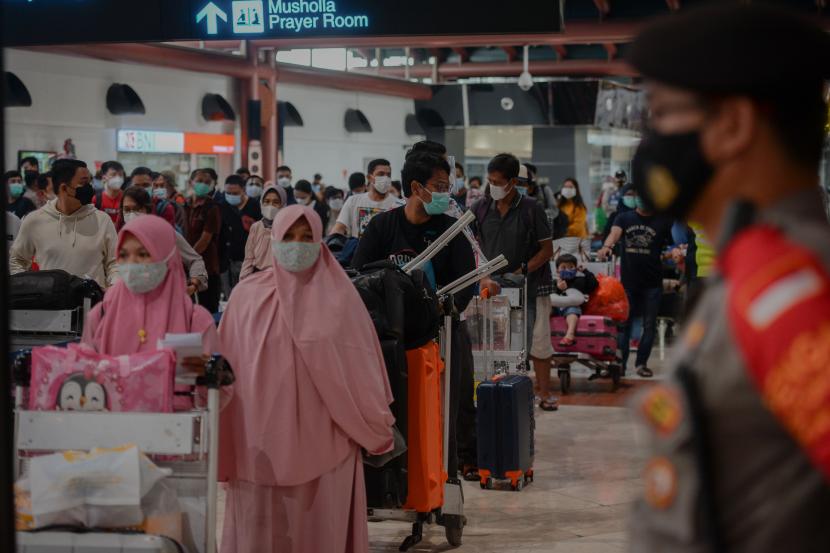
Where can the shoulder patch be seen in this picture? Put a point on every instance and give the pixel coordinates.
(779, 311)
(660, 479)
(662, 409)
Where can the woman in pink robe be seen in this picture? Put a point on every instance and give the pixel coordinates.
(132, 321)
(311, 393)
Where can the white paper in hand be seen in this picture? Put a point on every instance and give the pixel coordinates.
(183, 345)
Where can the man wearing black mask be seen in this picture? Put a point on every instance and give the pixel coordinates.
(68, 233)
(739, 435)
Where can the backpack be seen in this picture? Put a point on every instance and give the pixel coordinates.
(161, 206)
(402, 307)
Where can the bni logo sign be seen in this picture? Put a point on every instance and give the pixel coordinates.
(248, 16)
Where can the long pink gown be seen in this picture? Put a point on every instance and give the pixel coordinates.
(311, 390)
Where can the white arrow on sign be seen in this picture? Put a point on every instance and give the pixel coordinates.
(211, 12)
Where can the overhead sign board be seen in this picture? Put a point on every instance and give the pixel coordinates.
(167, 142)
(30, 22)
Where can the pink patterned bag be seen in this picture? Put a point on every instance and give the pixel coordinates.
(78, 378)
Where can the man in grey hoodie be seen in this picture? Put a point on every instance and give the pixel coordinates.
(68, 233)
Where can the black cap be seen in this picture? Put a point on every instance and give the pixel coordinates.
(620, 175)
(727, 48)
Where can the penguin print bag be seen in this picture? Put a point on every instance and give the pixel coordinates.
(77, 378)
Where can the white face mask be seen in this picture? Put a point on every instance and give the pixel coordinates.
(115, 183)
(285, 182)
(295, 256)
(131, 215)
(383, 184)
(336, 204)
(270, 211)
(141, 278)
(499, 192)
(569, 193)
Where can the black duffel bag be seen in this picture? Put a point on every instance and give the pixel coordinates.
(52, 290)
(403, 307)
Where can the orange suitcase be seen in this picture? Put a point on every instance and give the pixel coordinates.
(426, 430)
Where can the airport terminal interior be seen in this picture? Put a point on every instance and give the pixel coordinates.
(341, 276)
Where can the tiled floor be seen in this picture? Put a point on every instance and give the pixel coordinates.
(587, 466)
(587, 474)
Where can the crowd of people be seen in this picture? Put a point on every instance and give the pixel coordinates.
(255, 251)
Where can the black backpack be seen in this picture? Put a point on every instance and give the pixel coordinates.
(402, 307)
(52, 290)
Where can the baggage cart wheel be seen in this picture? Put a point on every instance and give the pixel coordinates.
(453, 529)
(565, 380)
(519, 486)
(490, 484)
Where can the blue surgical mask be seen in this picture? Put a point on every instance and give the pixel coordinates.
(233, 199)
(16, 190)
(567, 274)
(295, 257)
(630, 202)
(315, 188)
(253, 190)
(160, 193)
(639, 203)
(439, 204)
(201, 189)
(458, 186)
(522, 190)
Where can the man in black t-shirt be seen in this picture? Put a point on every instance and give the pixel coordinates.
(643, 237)
(401, 234)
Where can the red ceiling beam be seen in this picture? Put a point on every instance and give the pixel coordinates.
(463, 54)
(577, 32)
(511, 51)
(674, 5)
(239, 67)
(611, 50)
(503, 69)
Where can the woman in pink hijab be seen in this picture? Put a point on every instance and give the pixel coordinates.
(311, 392)
(150, 299)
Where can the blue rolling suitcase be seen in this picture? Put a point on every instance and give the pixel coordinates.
(506, 428)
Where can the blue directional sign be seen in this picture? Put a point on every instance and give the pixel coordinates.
(27, 22)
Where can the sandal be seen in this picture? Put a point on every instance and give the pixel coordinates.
(645, 372)
(567, 342)
(471, 473)
(549, 404)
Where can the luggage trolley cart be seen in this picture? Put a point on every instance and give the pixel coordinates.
(188, 440)
(596, 347)
(450, 514)
(501, 326)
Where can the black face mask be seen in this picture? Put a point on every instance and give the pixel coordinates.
(84, 194)
(670, 172)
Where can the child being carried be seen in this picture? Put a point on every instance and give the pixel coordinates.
(573, 286)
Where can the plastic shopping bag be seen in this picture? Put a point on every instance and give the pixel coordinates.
(608, 300)
(78, 378)
(101, 489)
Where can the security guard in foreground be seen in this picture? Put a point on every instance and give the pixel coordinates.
(739, 436)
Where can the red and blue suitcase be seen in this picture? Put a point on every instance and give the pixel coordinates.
(506, 428)
(595, 336)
